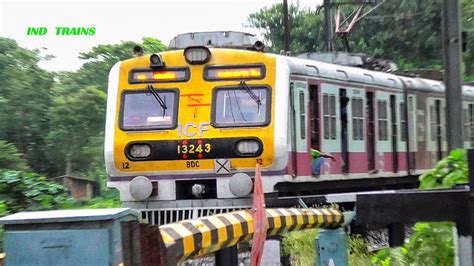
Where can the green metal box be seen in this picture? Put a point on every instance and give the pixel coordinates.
(65, 237)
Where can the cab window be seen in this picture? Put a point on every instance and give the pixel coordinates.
(241, 107)
(141, 110)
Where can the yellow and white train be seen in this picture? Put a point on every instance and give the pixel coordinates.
(186, 127)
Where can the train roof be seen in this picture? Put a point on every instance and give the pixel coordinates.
(307, 67)
(311, 67)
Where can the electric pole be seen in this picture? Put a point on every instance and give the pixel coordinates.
(328, 26)
(451, 38)
(286, 26)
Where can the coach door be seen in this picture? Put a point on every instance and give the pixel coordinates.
(393, 119)
(369, 111)
(439, 140)
(299, 108)
(314, 112)
(471, 124)
(343, 102)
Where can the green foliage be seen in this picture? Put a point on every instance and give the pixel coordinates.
(300, 246)
(56, 121)
(431, 244)
(3, 212)
(358, 252)
(76, 122)
(28, 191)
(306, 28)
(448, 172)
(95, 71)
(20, 191)
(97, 203)
(468, 26)
(77, 113)
(407, 32)
(25, 95)
(391, 256)
(11, 158)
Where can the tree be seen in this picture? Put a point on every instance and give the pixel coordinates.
(468, 26)
(10, 158)
(407, 32)
(75, 142)
(100, 60)
(24, 99)
(307, 28)
(75, 120)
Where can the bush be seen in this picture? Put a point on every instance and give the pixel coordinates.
(448, 172)
(29, 191)
(299, 245)
(431, 243)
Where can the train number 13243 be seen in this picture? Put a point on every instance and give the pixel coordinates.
(193, 148)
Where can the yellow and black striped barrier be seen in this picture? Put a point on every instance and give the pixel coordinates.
(190, 238)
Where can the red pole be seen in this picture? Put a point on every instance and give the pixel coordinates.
(259, 220)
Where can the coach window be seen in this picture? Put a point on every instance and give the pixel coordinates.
(467, 124)
(403, 122)
(433, 126)
(382, 120)
(141, 110)
(237, 107)
(302, 116)
(443, 120)
(357, 119)
(329, 114)
(471, 125)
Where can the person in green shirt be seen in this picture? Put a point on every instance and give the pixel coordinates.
(318, 160)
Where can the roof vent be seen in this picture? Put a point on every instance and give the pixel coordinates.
(220, 39)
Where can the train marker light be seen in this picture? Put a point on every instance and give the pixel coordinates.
(156, 61)
(245, 73)
(166, 75)
(234, 72)
(196, 55)
(153, 76)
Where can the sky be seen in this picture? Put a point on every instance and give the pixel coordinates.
(117, 21)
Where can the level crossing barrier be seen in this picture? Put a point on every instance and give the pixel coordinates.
(187, 239)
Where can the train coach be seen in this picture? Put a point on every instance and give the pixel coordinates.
(186, 127)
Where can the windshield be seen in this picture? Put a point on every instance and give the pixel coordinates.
(236, 107)
(142, 111)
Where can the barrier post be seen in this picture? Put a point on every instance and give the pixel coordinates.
(259, 220)
(331, 247)
(227, 257)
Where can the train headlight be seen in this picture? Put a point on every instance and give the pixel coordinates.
(248, 147)
(240, 184)
(139, 151)
(195, 55)
(140, 187)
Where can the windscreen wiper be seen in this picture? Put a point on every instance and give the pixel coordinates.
(158, 98)
(251, 94)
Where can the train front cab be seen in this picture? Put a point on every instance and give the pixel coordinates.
(189, 128)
